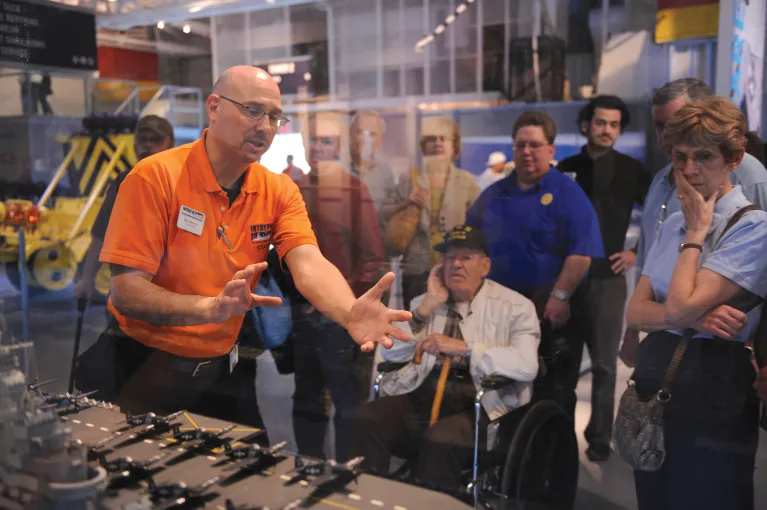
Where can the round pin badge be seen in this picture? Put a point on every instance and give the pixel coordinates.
(547, 198)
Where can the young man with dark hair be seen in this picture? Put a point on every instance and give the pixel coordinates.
(614, 182)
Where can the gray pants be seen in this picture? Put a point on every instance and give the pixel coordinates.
(601, 328)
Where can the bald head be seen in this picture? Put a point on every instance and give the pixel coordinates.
(244, 102)
(237, 75)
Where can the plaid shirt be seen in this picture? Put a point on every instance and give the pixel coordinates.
(452, 329)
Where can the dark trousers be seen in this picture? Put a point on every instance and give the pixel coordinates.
(140, 380)
(413, 286)
(561, 351)
(399, 425)
(711, 426)
(600, 328)
(326, 359)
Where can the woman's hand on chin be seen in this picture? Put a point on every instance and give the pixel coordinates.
(698, 211)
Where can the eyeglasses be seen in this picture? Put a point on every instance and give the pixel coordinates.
(327, 141)
(534, 146)
(258, 113)
(701, 159)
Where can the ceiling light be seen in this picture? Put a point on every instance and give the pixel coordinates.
(270, 1)
(187, 29)
(439, 29)
(160, 25)
(469, 1)
(307, 76)
(460, 8)
(450, 19)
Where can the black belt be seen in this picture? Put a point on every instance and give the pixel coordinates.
(194, 367)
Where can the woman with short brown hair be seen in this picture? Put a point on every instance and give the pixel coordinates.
(704, 256)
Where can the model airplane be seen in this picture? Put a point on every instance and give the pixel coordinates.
(35, 386)
(202, 438)
(66, 401)
(328, 471)
(142, 426)
(178, 494)
(150, 420)
(252, 452)
(126, 469)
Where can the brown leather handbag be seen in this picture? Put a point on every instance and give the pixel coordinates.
(402, 226)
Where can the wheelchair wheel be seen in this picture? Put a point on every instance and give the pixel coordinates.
(541, 469)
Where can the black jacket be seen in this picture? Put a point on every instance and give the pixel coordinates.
(614, 182)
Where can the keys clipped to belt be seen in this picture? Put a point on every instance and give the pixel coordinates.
(234, 357)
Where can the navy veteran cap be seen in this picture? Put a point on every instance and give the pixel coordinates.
(462, 236)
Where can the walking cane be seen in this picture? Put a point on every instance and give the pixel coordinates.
(441, 382)
(82, 304)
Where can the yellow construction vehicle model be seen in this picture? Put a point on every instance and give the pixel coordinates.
(58, 234)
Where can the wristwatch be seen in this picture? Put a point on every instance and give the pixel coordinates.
(561, 295)
(685, 246)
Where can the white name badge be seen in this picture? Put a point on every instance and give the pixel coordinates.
(191, 220)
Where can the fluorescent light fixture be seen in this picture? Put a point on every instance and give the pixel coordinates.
(307, 76)
(187, 29)
(449, 19)
(160, 25)
(460, 8)
(439, 29)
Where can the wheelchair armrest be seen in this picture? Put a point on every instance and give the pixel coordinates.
(389, 366)
(496, 382)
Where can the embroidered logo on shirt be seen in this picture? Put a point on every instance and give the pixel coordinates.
(547, 198)
(261, 233)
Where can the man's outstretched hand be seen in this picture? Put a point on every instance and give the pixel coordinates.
(236, 298)
(371, 322)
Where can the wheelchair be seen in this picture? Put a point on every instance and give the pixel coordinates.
(534, 464)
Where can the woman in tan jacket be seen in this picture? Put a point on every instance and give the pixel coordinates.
(426, 204)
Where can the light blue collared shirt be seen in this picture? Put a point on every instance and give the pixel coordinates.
(662, 201)
(739, 256)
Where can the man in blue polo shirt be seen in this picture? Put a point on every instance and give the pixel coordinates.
(542, 233)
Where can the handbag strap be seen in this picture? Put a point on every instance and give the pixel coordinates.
(735, 218)
(664, 395)
(665, 392)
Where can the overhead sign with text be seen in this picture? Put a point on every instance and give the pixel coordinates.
(293, 76)
(38, 34)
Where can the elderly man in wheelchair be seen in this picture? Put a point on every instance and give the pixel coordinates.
(462, 385)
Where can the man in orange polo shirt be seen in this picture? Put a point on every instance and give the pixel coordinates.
(187, 241)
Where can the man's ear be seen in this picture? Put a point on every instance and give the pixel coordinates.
(486, 266)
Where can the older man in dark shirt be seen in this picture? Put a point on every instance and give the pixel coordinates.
(614, 182)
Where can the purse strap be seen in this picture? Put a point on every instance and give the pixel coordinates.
(736, 218)
(664, 395)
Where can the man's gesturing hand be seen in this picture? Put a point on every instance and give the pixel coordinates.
(236, 298)
(370, 321)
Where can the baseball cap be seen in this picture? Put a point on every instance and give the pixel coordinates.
(465, 237)
(496, 158)
(157, 125)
